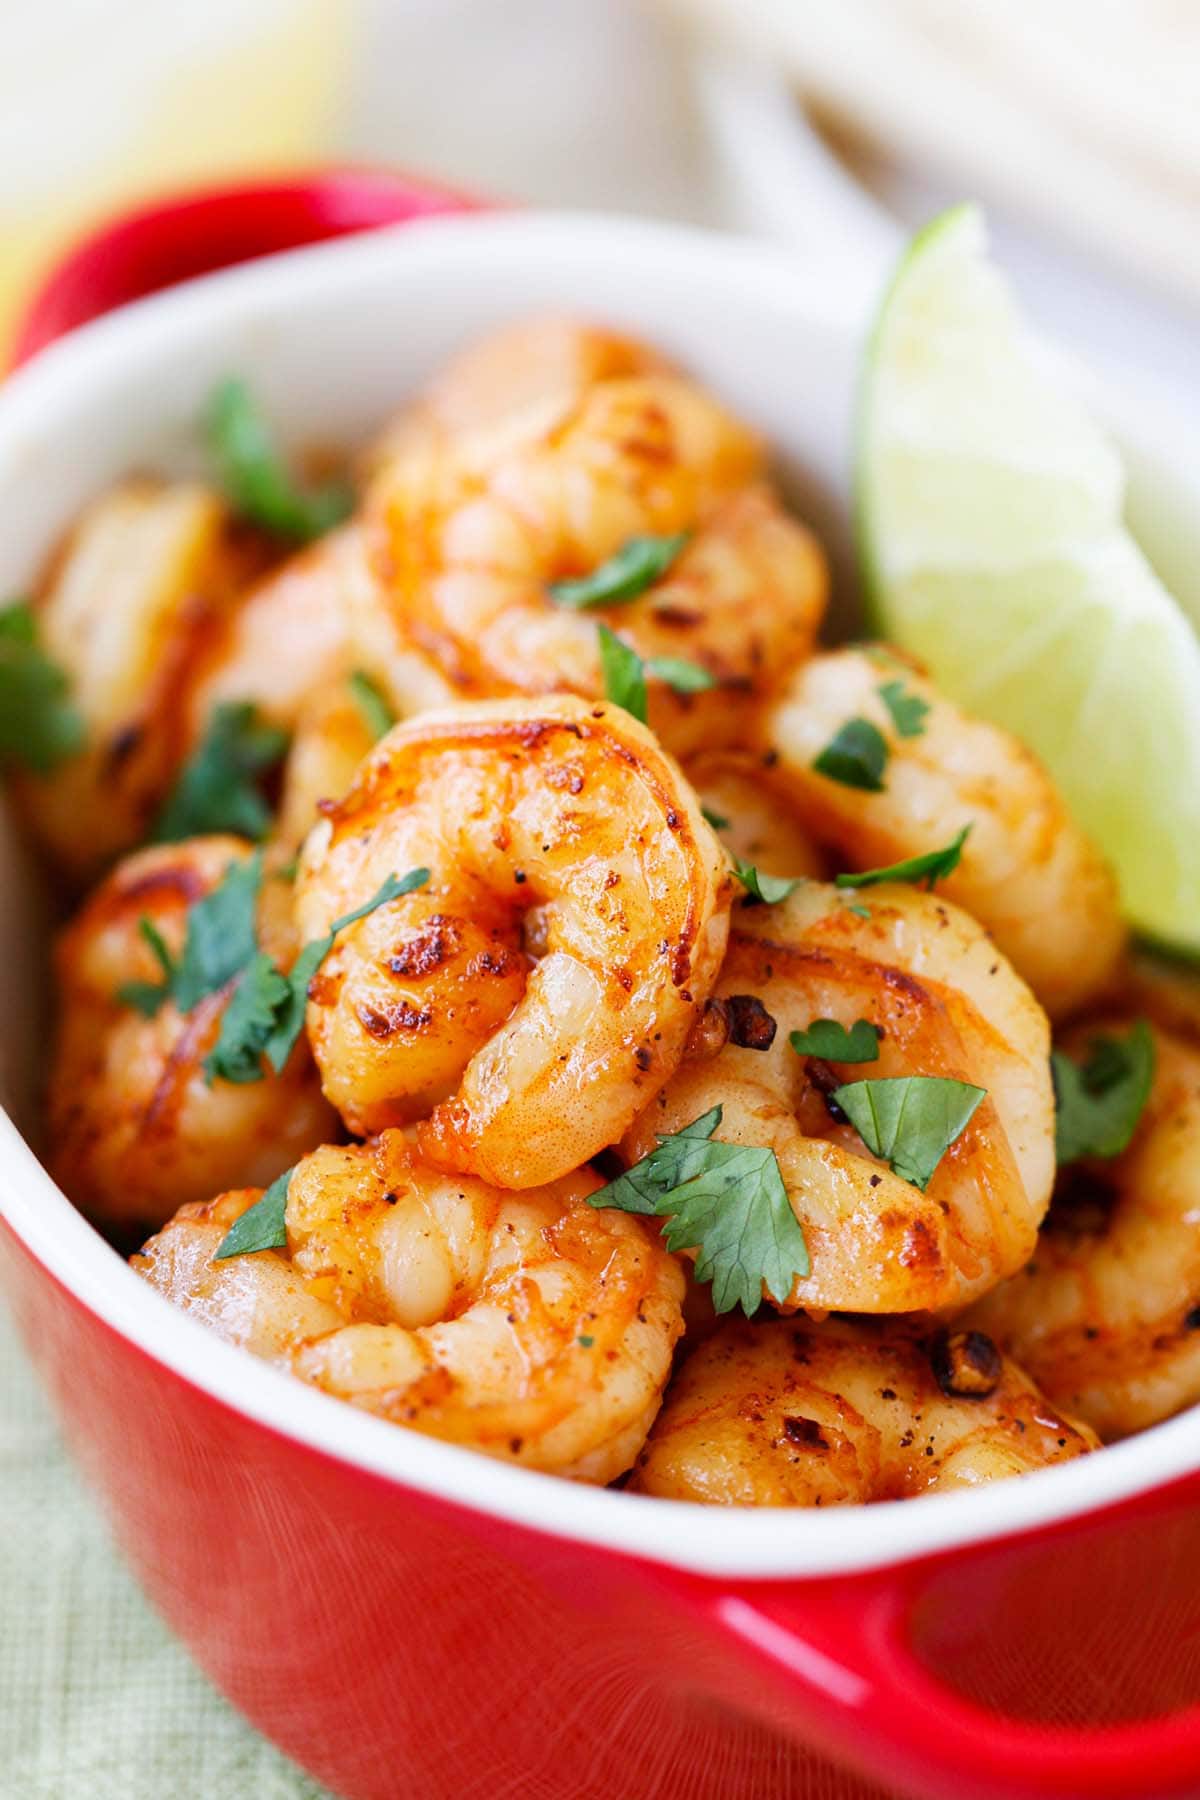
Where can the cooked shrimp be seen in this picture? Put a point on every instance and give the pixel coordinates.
(509, 389)
(146, 574)
(313, 621)
(750, 813)
(332, 735)
(947, 1005)
(1107, 1314)
(471, 557)
(795, 1414)
(134, 1127)
(539, 988)
(1027, 872)
(529, 1326)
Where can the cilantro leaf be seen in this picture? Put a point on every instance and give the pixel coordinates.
(39, 725)
(624, 675)
(833, 1043)
(682, 676)
(266, 1014)
(220, 934)
(216, 790)
(856, 756)
(219, 942)
(372, 703)
(263, 1226)
(717, 820)
(770, 889)
(909, 1120)
(725, 1201)
(255, 476)
(147, 996)
(248, 1022)
(1101, 1100)
(637, 565)
(932, 867)
(908, 710)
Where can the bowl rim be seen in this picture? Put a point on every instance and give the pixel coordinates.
(734, 1542)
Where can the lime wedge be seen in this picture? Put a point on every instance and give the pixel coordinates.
(993, 545)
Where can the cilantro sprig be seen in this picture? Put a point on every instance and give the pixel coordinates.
(908, 711)
(725, 1201)
(625, 674)
(637, 565)
(831, 1042)
(262, 1226)
(932, 867)
(255, 476)
(372, 703)
(855, 756)
(768, 889)
(1100, 1100)
(909, 1120)
(265, 1014)
(217, 788)
(39, 725)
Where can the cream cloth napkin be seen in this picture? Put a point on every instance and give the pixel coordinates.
(97, 1701)
(1082, 113)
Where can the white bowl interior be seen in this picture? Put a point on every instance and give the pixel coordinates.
(333, 339)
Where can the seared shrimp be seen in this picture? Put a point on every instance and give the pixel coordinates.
(529, 1326)
(313, 621)
(538, 989)
(508, 390)
(333, 733)
(751, 814)
(145, 576)
(1107, 1314)
(134, 1126)
(790, 1413)
(1027, 872)
(471, 558)
(946, 1005)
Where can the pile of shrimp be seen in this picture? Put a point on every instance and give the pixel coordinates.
(556, 942)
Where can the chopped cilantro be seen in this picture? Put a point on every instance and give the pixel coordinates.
(217, 788)
(727, 1202)
(909, 1120)
(624, 675)
(908, 711)
(932, 867)
(769, 889)
(637, 565)
(219, 943)
(856, 756)
(833, 1043)
(717, 820)
(262, 1227)
(39, 726)
(1101, 1099)
(372, 703)
(680, 675)
(255, 476)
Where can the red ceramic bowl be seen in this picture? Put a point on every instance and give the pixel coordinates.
(405, 1618)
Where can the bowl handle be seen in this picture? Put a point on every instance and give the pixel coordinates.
(842, 1665)
(194, 233)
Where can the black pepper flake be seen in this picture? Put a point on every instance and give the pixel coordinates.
(751, 1026)
(806, 1433)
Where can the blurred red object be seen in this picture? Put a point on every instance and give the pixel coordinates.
(191, 234)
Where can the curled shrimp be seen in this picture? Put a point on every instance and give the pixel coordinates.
(529, 1326)
(1027, 872)
(471, 556)
(752, 814)
(129, 603)
(508, 390)
(134, 1126)
(538, 989)
(790, 1413)
(312, 622)
(1107, 1314)
(946, 1005)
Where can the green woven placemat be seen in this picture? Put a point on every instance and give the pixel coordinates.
(97, 1700)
